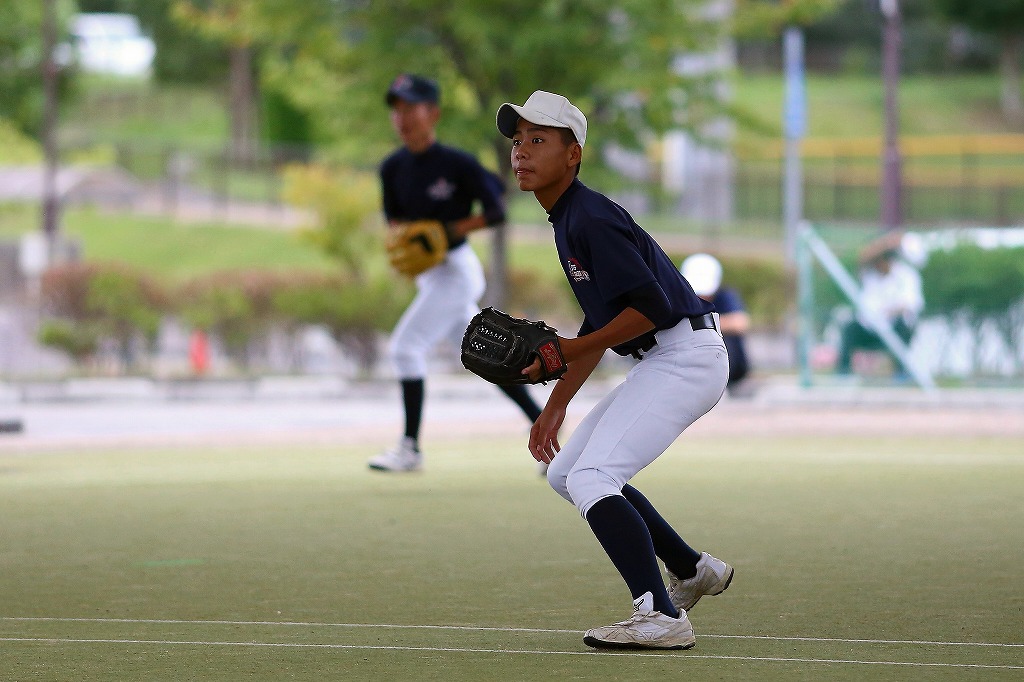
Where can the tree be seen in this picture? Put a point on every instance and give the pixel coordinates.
(21, 59)
(1004, 19)
(615, 62)
(225, 21)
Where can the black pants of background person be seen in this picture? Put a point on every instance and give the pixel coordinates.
(739, 366)
(858, 337)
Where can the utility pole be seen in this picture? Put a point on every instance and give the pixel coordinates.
(891, 195)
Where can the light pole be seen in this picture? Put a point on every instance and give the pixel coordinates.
(49, 129)
(794, 119)
(891, 195)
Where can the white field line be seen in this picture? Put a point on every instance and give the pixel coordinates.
(772, 659)
(473, 628)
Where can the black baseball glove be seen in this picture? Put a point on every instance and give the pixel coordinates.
(498, 347)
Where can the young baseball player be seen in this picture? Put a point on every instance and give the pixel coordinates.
(427, 180)
(635, 302)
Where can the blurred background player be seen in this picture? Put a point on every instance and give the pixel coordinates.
(704, 273)
(891, 291)
(425, 180)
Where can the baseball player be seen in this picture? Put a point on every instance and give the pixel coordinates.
(704, 273)
(635, 302)
(426, 180)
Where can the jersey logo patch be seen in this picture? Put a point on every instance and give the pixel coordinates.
(442, 190)
(576, 271)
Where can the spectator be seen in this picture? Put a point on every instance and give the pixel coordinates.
(704, 273)
(890, 293)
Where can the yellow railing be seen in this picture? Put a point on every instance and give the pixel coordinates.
(910, 146)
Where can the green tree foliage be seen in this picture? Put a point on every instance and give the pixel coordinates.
(21, 59)
(347, 203)
(977, 286)
(767, 18)
(1004, 19)
(616, 61)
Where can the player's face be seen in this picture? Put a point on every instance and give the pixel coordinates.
(415, 122)
(542, 162)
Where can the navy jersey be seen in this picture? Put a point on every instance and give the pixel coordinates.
(605, 255)
(727, 300)
(441, 183)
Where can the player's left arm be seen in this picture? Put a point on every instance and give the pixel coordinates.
(582, 356)
(644, 309)
(625, 326)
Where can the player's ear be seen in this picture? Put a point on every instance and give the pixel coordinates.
(575, 155)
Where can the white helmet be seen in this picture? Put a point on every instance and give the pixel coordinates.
(703, 272)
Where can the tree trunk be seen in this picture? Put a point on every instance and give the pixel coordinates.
(1009, 70)
(242, 96)
(497, 285)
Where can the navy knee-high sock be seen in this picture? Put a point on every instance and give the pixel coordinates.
(622, 532)
(678, 556)
(522, 398)
(412, 398)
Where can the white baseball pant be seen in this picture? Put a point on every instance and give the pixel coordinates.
(679, 380)
(447, 297)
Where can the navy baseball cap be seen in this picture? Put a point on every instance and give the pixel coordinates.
(413, 89)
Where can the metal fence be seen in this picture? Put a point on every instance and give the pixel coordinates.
(975, 180)
(947, 180)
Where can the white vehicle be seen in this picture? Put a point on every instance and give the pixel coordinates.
(112, 43)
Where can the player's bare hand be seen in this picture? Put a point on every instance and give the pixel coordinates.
(544, 435)
(534, 371)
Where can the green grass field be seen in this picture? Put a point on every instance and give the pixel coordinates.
(856, 558)
(171, 249)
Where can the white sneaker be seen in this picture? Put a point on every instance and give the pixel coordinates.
(646, 629)
(403, 457)
(713, 576)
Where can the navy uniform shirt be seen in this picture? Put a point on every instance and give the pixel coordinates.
(441, 183)
(605, 254)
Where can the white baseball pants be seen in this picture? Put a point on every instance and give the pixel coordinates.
(679, 380)
(447, 297)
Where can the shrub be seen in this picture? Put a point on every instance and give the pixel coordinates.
(355, 313)
(235, 306)
(93, 302)
(79, 340)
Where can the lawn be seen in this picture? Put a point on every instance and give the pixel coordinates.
(856, 558)
(172, 249)
(853, 106)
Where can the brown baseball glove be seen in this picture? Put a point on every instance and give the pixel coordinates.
(416, 246)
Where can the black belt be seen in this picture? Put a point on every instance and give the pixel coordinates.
(706, 321)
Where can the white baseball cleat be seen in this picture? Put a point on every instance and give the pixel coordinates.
(403, 457)
(646, 629)
(713, 576)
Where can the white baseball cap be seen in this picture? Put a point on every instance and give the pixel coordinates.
(703, 272)
(545, 109)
